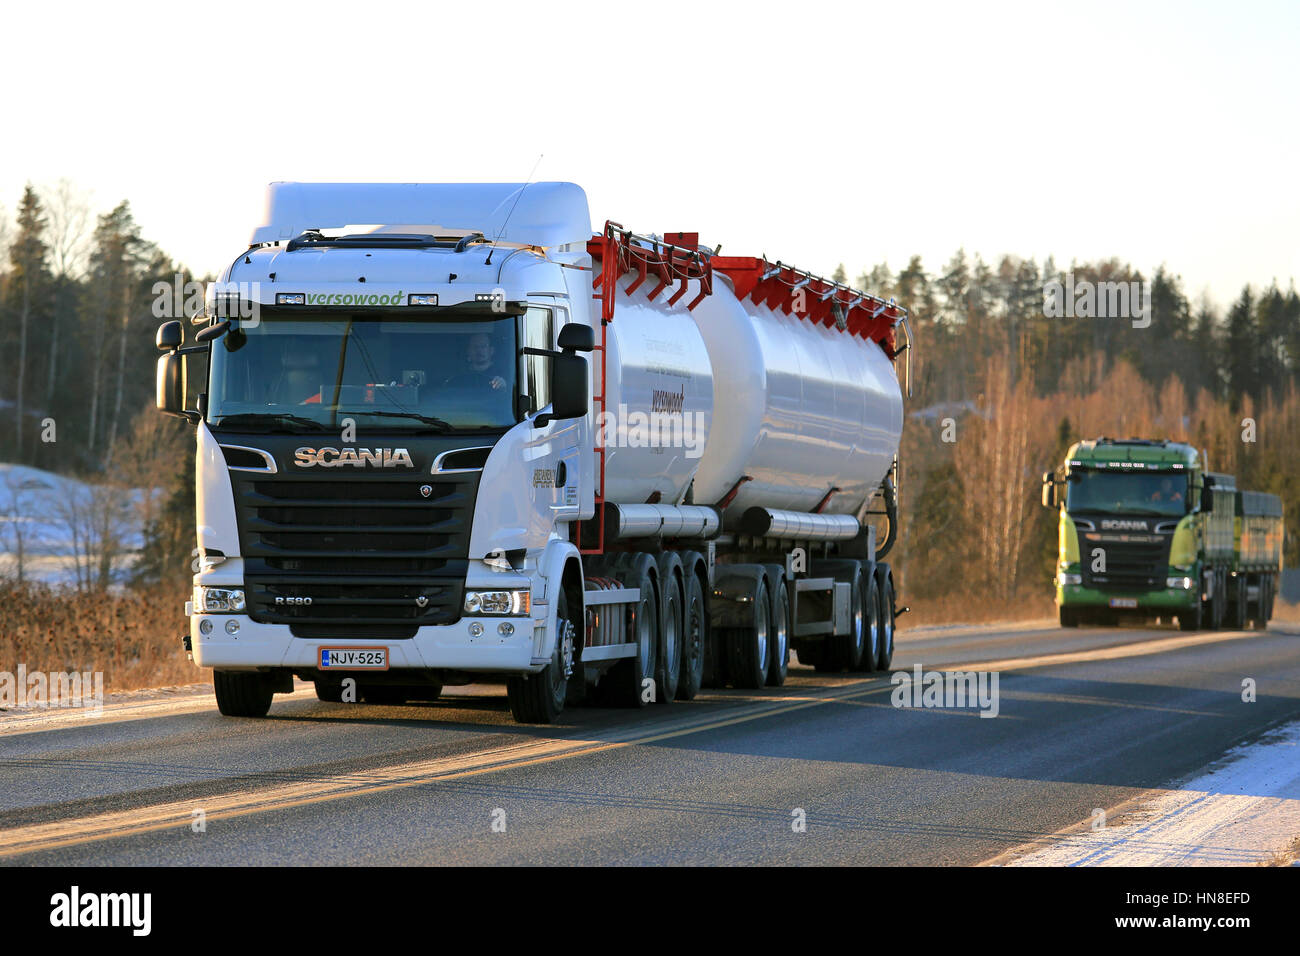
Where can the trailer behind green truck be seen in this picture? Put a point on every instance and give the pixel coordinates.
(1146, 531)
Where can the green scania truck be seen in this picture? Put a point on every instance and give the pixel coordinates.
(1146, 530)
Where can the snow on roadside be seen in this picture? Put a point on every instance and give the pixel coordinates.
(1242, 811)
(41, 501)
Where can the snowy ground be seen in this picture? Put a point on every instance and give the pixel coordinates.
(52, 512)
(1244, 810)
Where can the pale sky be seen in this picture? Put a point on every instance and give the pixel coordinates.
(814, 133)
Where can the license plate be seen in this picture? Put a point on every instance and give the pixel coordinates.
(354, 658)
(1123, 602)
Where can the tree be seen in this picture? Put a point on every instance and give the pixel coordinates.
(29, 276)
(1242, 349)
(117, 258)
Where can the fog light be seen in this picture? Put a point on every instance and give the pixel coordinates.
(232, 627)
(476, 629)
(505, 628)
(205, 626)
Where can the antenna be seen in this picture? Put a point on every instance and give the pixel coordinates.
(506, 222)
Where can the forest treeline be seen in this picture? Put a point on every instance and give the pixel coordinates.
(77, 324)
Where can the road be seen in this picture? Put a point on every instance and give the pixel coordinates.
(1088, 718)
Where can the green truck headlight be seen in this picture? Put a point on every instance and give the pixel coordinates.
(1181, 584)
(1067, 578)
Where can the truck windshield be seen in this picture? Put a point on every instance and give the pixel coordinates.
(1149, 493)
(399, 372)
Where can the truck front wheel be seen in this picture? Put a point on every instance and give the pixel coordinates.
(539, 698)
(1069, 616)
(242, 693)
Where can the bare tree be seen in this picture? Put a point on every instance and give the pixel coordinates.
(98, 519)
(68, 215)
(13, 526)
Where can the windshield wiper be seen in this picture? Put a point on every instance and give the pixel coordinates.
(275, 421)
(438, 423)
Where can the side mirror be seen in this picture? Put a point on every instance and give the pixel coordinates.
(569, 398)
(213, 331)
(170, 336)
(576, 337)
(1049, 490)
(1207, 499)
(170, 392)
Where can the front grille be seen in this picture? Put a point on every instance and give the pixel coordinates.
(1134, 562)
(376, 557)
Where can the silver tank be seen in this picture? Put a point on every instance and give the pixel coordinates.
(799, 408)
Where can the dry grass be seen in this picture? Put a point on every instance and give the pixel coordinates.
(133, 638)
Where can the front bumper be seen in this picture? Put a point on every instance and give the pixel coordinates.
(450, 646)
(1175, 599)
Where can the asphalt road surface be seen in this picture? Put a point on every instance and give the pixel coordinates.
(822, 771)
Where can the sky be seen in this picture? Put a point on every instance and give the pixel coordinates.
(815, 133)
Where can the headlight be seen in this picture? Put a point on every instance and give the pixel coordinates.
(497, 602)
(221, 600)
(1182, 584)
(1070, 578)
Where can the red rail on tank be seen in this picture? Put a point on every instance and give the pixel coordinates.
(676, 259)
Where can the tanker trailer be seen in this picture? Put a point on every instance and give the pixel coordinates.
(448, 434)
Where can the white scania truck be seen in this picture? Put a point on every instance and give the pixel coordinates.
(449, 434)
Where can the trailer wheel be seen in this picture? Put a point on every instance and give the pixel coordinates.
(668, 661)
(747, 647)
(539, 698)
(242, 693)
(779, 650)
(845, 651)
(627, 681)
(871, 624)
(887, 623)
(694, 637)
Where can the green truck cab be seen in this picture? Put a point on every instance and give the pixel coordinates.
(1145, 531)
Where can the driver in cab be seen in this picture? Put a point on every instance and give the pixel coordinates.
(479, 371)
(1167, 492)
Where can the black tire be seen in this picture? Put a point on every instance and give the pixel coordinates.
(1068, 616)
(330, 691)
(1239, 615)
(1190, 619)
(695, 638)
(845, 651)
(778, 645)
(888, 623)
(625, 683)
(870, 625)
(242, 693)
(747, 647)
(539, 698)
(385, 695)
(668, 642)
